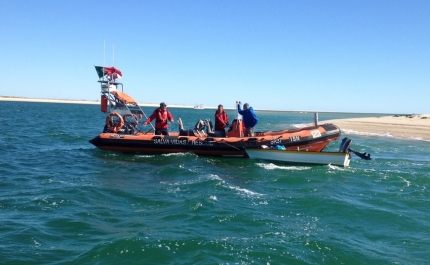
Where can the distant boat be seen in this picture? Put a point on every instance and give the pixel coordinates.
(199, 106)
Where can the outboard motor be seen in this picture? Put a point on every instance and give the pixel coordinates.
(345, 147)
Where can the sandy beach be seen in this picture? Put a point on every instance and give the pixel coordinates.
(397, 126)
(22, 99)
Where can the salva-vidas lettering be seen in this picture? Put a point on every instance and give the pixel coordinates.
(197, 142)
(170, 141)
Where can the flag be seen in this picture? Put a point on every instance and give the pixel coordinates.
(112, 72)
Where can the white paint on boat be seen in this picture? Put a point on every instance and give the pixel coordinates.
(323, 158)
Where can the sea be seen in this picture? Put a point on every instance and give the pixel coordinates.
(63, 201)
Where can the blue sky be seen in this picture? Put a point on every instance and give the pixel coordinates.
(346, 56)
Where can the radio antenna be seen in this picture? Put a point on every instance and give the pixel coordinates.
(104, 57)
(104, 53)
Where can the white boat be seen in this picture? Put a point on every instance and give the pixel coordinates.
(322, 158)
(198, 106)
(279, 153)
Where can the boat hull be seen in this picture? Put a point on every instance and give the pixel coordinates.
(322, 158)
(307, 139)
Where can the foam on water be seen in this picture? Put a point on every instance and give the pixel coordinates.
(271, 166)
(175, 154)
(381, 134)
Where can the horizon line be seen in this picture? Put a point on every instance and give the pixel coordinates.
(94, 102)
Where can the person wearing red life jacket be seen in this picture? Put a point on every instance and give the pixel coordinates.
(161, 116)
(221, 119)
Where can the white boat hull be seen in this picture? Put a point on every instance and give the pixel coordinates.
(322, 158)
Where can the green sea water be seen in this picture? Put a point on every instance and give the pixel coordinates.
(63, 201)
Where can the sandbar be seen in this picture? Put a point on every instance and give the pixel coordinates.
(397, 126)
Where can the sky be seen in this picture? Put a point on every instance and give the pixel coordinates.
(362, 56)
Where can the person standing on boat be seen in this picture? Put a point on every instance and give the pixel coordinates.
(249, 118)
(161, 116)
(221, 119)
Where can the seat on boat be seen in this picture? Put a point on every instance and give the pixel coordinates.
(210, 129)
(199, 128)
(209, 126)
(182, 131)
(217, 134)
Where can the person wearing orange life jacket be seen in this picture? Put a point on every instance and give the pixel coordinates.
(161, 116)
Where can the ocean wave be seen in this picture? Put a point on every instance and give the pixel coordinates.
(383, 134)
(246, 191)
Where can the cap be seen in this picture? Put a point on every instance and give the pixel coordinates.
(246, 106)
(162, 104)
